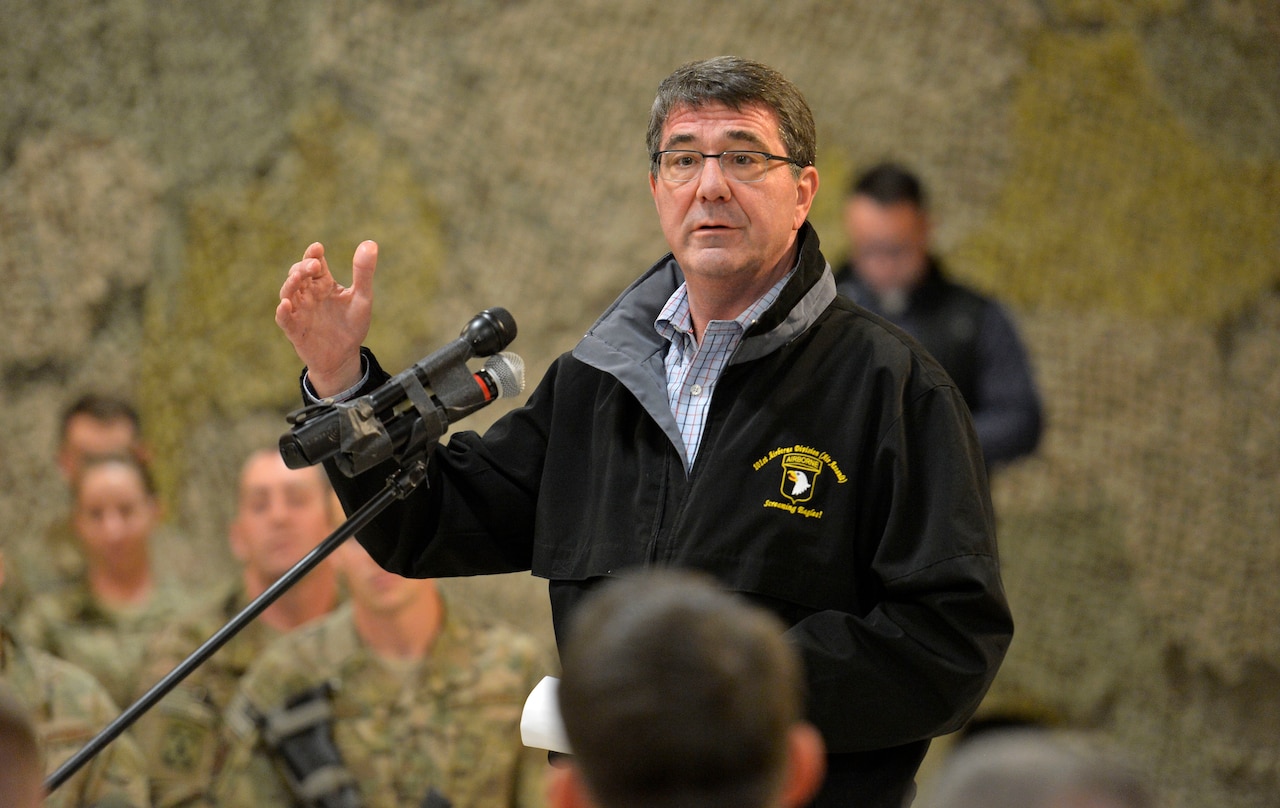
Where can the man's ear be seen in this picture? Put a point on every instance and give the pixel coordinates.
(566, 789)
(806, 765)
(142, 450)
(806, 190)
(66, 464)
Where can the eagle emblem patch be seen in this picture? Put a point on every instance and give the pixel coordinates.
(801, 466)
(799, 474)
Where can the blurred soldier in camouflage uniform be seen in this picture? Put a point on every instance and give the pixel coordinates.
(68, 707)
(104, 621)
(95, 424)
(409, 705)
(281, 514)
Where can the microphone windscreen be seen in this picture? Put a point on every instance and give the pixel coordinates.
(507, 371)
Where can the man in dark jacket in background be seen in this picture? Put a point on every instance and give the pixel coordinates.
(728, 413)
(892, 272)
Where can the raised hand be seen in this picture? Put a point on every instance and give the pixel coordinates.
(326, 322)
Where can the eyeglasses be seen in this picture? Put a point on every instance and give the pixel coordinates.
(683, 165)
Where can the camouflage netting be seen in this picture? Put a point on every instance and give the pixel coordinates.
(1109, 167)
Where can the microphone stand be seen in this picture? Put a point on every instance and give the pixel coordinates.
(398, 486)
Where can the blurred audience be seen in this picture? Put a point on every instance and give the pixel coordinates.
(103, 621)
(67, 707)
(281, 515)
(95, 424)
(392, 700)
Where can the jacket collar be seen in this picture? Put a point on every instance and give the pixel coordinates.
(624, 344)
(624, 333)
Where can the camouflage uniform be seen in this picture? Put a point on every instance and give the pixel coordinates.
(41, 566)
(181, 735)
(69, 708)
(70, 623)
(453, 724)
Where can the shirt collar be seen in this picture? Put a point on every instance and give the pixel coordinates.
(675, 318)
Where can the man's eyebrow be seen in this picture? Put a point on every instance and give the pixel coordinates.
(743, 135)
(678, 140)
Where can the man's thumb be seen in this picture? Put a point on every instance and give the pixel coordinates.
(363, 265)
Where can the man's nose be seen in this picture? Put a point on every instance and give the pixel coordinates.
(712, 183)
(277, 509)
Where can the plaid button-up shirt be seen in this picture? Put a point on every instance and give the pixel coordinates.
(692, 368)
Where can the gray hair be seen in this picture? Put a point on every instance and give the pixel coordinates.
(736, 83)
(1035, 768)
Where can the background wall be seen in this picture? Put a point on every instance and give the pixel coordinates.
(1111, 168)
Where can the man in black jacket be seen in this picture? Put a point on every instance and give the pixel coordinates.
(728, 413)
(893, 272)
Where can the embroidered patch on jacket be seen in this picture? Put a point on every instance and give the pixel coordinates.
(801, 468)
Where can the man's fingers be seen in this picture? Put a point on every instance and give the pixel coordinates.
(300, 274)
(309, 288)
(314, 252)
(284, 312)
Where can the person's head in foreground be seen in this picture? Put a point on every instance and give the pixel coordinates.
(21, 781)
(1039, 768)
(677, 694)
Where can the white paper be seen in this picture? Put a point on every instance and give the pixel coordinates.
(540, 724)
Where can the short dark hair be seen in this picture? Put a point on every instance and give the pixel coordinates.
(101, 407)
(736, 83)
(677, 693)
(890, 184)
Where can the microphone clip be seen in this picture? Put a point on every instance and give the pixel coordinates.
(299, 416)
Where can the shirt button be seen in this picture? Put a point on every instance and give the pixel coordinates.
(696, 390)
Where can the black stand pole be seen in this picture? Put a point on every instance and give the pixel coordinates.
(398, 486)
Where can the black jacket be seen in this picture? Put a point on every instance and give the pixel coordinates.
(838, 481)
(973, 337)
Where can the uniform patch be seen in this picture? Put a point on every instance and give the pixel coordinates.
(181, 747)
(799, 475)
(802, 478)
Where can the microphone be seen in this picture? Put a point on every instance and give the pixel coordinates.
(501, 377)
(414, 407)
